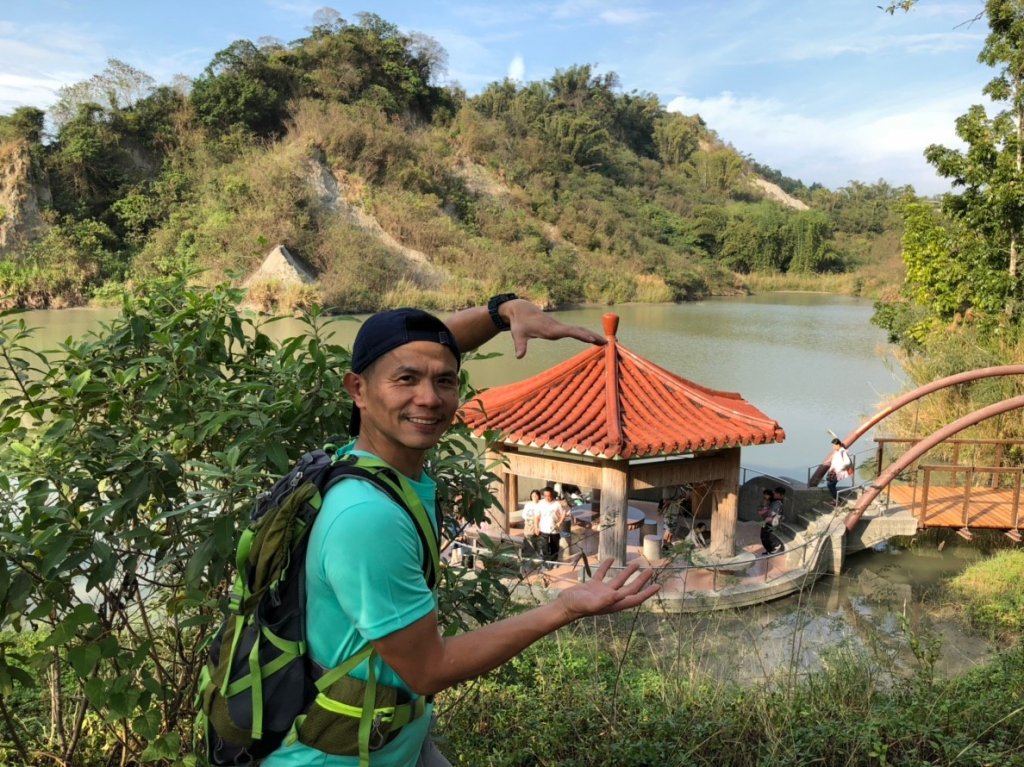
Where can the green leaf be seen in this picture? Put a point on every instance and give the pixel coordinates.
(313, 347)
(165, 747)
(79, 381)
(278, 457)
(96, 693)
(56, 551)
(65, 630)
(9, 674)
(5, 578)
(170, 463)
(84, 659)
(198, 562)
(148, 724)
(59, 429)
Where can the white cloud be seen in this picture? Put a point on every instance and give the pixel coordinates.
(625, 16)
(609, 11)
(516, 68)
(939, 42)
(36, 60)
(305, 10)
(885, 141)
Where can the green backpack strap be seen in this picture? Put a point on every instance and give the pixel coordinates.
(398, 487)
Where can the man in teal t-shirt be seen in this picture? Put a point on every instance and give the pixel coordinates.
(364, 571)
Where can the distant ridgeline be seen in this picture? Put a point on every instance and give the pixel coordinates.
(392, 190)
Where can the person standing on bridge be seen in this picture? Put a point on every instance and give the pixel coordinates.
(840, 466)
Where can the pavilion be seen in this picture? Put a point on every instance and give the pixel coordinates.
(615, 422)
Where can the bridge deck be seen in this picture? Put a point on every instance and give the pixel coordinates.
(986, 508)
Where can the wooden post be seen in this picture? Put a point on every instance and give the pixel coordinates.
(511, 499)
(501, 516)
(614, 512)
(725, 511)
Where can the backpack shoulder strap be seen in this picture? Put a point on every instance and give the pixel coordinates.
(397, 487)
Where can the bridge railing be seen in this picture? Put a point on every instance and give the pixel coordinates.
(996, 453)
(675, 565)
(1001, 478)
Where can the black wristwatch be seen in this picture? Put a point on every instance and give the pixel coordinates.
(492, 309)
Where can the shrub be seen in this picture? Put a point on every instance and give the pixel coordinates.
(991, 593)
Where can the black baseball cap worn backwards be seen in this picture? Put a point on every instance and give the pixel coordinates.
(388, 330)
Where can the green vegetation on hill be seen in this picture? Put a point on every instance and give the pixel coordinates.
(341, 147)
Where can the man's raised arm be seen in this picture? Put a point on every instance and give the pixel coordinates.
(474, 327)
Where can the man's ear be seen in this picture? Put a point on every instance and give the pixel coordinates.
(355, 385)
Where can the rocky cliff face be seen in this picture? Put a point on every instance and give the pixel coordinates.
(21, 195)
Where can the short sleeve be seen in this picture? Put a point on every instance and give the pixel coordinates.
(372, 559)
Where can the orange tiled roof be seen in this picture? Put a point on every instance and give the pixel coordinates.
(610, 402)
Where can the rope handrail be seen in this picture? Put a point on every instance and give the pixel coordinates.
(579, 556)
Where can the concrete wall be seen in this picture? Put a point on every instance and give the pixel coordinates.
(800, 499)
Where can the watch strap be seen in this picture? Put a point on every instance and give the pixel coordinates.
(492, 309)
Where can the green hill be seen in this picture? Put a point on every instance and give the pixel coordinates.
(394, 190)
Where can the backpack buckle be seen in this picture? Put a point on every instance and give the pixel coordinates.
(379, 731)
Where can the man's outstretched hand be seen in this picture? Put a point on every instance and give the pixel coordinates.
(601, 597)
(529, 321)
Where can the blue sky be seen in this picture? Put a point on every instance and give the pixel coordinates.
(823, 90)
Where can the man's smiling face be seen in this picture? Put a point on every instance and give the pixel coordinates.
(407, 399)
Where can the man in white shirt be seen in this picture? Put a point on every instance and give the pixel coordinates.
(550, 514)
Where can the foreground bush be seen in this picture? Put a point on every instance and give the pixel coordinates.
(588, 701)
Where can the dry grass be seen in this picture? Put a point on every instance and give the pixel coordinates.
(651, 289)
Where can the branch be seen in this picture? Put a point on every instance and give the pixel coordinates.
(12, 731)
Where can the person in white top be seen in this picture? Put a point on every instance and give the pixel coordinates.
(550, 513)
(840, 466)
(531, 532)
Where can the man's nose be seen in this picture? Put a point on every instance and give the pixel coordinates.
(427, 393)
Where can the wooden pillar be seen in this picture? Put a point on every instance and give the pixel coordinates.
(614, 512)
(511, 499)
(504, 492)
(725, 491)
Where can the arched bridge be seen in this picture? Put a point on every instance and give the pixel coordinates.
(962, 496)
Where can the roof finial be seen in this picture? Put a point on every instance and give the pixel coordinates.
(611, 325)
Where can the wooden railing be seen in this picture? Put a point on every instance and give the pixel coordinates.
(972, 487)
(986, 456)
(966, 503)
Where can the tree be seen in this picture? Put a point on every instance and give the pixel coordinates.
(371, 61)
(87, 163)
(676, 137)
(118, 86)
(241, 87)
(808, 233)
(991, 169)
(24, 124)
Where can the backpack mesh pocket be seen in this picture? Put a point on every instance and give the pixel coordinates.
(331, 724)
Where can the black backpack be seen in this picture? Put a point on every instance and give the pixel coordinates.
(258, 686)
